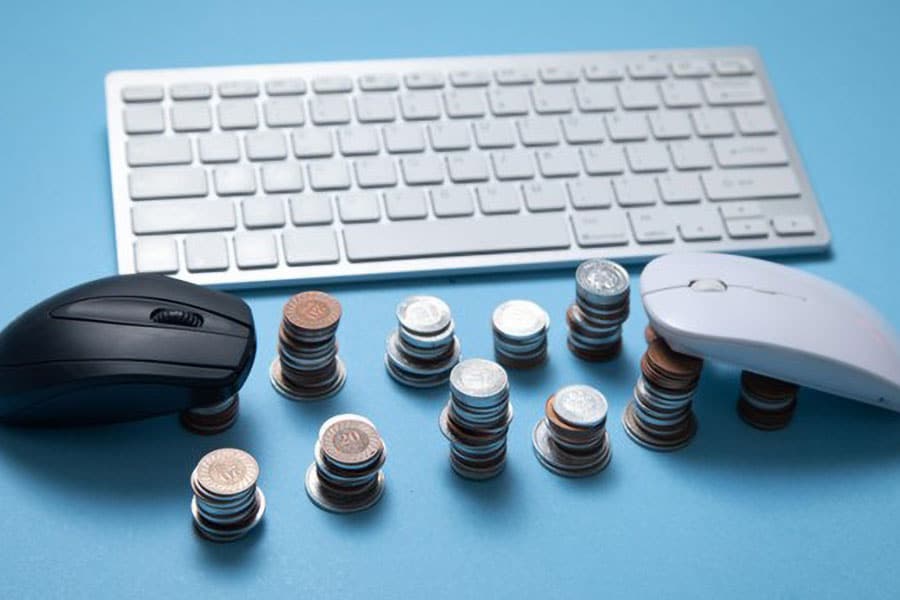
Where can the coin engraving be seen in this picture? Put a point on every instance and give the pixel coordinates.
(312, 311)
(478, 377)
(580, 405)
(602, 277)
(423, 314)
(349, 439)
(227, 471)
(520, 318)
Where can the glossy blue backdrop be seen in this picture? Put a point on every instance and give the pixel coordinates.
(806, 512)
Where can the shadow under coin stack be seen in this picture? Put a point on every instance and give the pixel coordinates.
(520, 334)
(477, 418)
(660, 416)
(766, 403)
(307, 366)
(423, 350)
(209, 420)
(571, 440)
(226, 504)
(601, 306)
(346, 475)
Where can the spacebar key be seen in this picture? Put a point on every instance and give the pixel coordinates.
(456, 237)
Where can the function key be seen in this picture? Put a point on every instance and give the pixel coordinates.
(285, 87)
(468, 78)
(142, 93)
(379, 82)
(559, 75)
(514, 76)
(423, 80)
(691, 68)
(602, 71)
(734, 66)
(647, 69)
(238, 89)
(190, 91)
(334, 84)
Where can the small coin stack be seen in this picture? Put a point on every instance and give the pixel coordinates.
(423, 349)
(601, 306)
(520, 334)
(476, 418)
(571, 440)
(766, 403)
(226, 504)
(346, 474)
(307, 366)
(216, 418)
(660, 416)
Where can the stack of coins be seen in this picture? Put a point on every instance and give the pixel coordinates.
(346, 475)
(216, 418)
(766, 403)
(307, 366)
(520, 334)
(571, 440)
(226, 504)
(423, 349)
(601, 306)
(660, 416)
(476, 418)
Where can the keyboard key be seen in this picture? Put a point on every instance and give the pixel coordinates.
(747, 184)
(335, 84)
(450, 237)
(356, 141)
(452, 202)
(514, 76)
(499, 199)
(669, 125)
(422, 170)
(551, 100)
(557, 74)
(494, 134)
(419, 106)
(238, 114)
(144, 119)
(755, 120)
(158, 150)
(699, 225)
(328, 175)
(329, 110)
(747, 228)
(582, 130)
(292, 86)
(282, 177)
(729, 92)
(166, 182)
(265, 145)
(310, 246)
(284, 112)
(635, 191)
(538, 131)
(375, 172)
(508, 102)
(594, 97)
(206, 252)
(626, 127)
(155, 255)
(405, 204)
(681, 94)
(712, 122)
(311, 209)
(312, 143)
(191, 116)
(638, 96)
(360, 207)
(603, 70)
(238, 89)
(651, 227)
(734, 66)
(590, 193)
(593, 229)
(470, 78)
(544, 196)
(190, 91)
(691, 155)
(219, 147)
(738, 210)
(787, 225)
(255, 250)
(467, 167)
(449, 136)
(230, 181)
(184, 216)
(424, 80)
(464, 103)
(512, 164)
(262, 212)
(603, 160)
(679, 188)
(379, 82)
(691, 68)
(375, 108)
(142, 93)
(404, 138)
(647, 157)
(559, 162)
(753, 152)
(647, 69)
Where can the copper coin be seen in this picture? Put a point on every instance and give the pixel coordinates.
(767, 387)
(312, 311)
(677, 364)
(650, 334)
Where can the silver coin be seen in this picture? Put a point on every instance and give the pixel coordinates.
(312, 394)
(477, 379)
(401, 359)
(227, 472)
(423, 314)
(323, 500)
(557, 461)
(580, 406)
(216, 534)
(602, 279)
(520, 319)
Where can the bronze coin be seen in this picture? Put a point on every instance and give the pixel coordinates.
(650, 334)
(674, 363)
(312, 311)
(767, 387)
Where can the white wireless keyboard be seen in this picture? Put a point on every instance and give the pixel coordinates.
(233, 176)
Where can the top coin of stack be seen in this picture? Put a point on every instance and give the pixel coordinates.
(601, 306)
(308, 366)
(520, 334)
(423, 349)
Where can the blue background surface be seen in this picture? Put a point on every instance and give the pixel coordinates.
(809, 511)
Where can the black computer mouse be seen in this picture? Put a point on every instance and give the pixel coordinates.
(123, 348)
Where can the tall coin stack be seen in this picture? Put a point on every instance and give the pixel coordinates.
(307, 366)
(520, 334)
(476, 418)
(212, 419)
(766, 403)
(601, 306)
(423, 349)
(346, 474)
(226, 504)
(571, 440)
(660, 416)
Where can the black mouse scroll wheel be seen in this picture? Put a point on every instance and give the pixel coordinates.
(174, 316)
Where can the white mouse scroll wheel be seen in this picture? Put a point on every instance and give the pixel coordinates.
(708, 285)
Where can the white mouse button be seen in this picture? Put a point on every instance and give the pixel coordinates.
(708, 285)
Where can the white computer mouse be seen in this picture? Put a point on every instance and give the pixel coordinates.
(774, 320)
